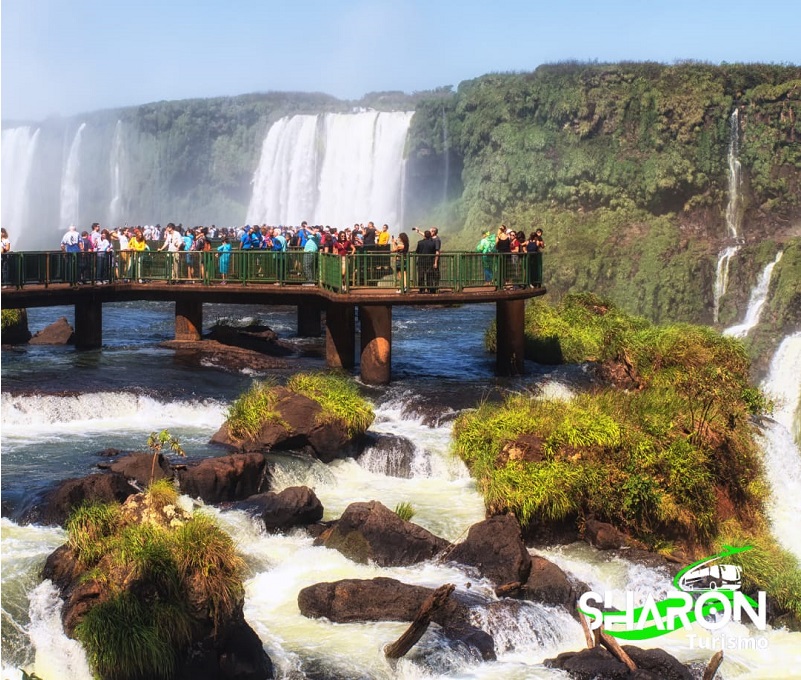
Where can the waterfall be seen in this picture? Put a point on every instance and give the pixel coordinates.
(722, 277)
(755, 303)
(733, 205)
(19, 147)
(783, 384)
(333, 169)
(782, 455)
(71, 183)
(115, 163)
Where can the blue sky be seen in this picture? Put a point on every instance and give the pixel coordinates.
(64, 57)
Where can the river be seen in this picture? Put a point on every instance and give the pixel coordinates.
(60, 408)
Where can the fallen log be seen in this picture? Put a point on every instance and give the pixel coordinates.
(419, 626)
(714, 664)
(613, 646)
(508, 589)
(588, 636)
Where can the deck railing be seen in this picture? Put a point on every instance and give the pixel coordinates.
(451, 271)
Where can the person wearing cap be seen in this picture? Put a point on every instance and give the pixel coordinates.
(70, 242)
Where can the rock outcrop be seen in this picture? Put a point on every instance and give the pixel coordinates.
(57, 333)
(599, 664)
(496, 549)
(371, 532)
(387, 599)
(299, 423)
(225, 479)
(295, 506)
(58, 503)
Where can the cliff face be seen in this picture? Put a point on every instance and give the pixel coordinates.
(639, 174)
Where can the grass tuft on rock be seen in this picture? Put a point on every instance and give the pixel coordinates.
(338, 396)
(252, 409)
(161, 581)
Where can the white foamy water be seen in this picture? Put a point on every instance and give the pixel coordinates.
(755, 303)
(18, 147)
(71, 183)
(783, 383)
(332, 169)
(48, 417)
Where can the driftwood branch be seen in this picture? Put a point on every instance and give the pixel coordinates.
(587, 632)
(419, 626)
(714, 664)
(613, 646)
(508, 589)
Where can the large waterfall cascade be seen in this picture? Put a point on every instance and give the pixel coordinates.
(756, 302)
(722, 277)
(333, 169)
(18, 150)
(116, 161)
(71, 182)
(780, 440)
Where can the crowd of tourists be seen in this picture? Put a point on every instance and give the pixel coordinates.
(114, 248)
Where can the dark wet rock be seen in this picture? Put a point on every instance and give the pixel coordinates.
(371, 532)
(62, 568)
(213, 353)
(17, 333)
(57, 504)
(604, 536)
(110, 453)
(293, 507)
(297, 425)
(547, 583)
(225, 479)
(388, 454)
(141, 468)
(496, 549)
(600, 664)
(57, 333)
(546, 534)
(255, 337)
(236, 654)
(386, 599)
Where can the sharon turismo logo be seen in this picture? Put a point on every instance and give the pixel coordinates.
(707, 593)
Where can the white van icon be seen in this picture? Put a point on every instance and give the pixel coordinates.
(725, 576)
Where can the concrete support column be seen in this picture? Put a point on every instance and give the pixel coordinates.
(88, 323)
(309, 320)
(340, 336)
(376, 356)
(510, 340)
(188, 320)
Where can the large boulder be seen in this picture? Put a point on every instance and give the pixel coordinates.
(141, 467)
(57, 333)
(225, 479)
(604, 536)
(295, 506)
(58, 503)
(371, 532)
(547, 583)
(495, 548)
(299, 424)
(386, 599)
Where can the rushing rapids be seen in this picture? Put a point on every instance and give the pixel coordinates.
(116, 396)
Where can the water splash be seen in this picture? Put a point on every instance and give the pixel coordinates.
(332, 169)
(759, 295)
(783, 384)
(722, 277)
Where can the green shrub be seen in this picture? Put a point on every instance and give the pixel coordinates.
(405, 511)
(251, 410)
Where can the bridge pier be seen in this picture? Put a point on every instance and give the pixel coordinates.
(340, 335)
(188, 320)
(376, 341)
(309, 320)
(510, 338)
(88, 323)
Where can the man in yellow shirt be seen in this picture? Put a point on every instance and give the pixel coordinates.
(383, 236)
